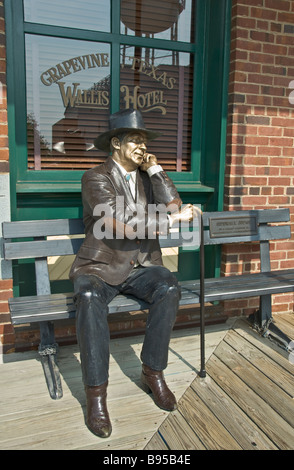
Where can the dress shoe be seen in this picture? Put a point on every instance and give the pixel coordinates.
(153, 382)
(97, 415)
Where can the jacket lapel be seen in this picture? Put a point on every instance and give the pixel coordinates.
(119, 182)
(141, 194)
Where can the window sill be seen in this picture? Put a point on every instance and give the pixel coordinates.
(75, 187)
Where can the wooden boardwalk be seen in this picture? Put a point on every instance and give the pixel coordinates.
(245, 402)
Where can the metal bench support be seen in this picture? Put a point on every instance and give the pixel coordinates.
(262, 319)
(48, 348)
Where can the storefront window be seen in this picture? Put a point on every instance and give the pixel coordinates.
(67, 101)
(86, 14)
(84, 60)
(167, 19)
(159, 83)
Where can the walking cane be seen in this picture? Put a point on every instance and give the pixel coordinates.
(202, 372)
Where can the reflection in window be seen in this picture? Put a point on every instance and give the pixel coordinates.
(165, 19)
(86, 14)
(159, 83)
(67, 101)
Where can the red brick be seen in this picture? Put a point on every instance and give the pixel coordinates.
(248, 45)
(288, 152)
(263, 25)
(257, 181)
(278, 200)
(248, 67)
(246, 88)
(260, 78)
(5, 295)
(270, 131)
(236, 54)
(251, 201)
(261, 120)
(281, 142)
(279, 181)
(276, 27)
(278, 5)
(272, 91)
(255, 160)
(283, 59)
(262, 58)
(262, 36)
(281, 81)
(6, 329)
(281, 122)
(270, 151)
(244, 22)
(286, 40)
(4, 167)
(259, 100)
(271, 69)
(287, 18)
(7, 338)
(289, 132)
(3, 116)
(256, 141)
(281, 161)
(4, 308)
(287, 264)
(264, 14)
(6, 284)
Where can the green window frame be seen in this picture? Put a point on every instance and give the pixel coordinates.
(211, 51)
(51, 194)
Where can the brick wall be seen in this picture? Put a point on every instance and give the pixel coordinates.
(260, 143)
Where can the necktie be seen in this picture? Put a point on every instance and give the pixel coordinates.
(132, 185)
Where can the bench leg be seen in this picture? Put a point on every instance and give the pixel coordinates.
(48, 350)
(262, 321)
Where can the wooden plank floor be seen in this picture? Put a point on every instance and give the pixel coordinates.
(245, 402)
(30, 419)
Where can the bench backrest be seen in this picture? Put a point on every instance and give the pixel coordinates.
(219, 228)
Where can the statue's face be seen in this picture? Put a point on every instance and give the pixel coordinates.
(130, 152)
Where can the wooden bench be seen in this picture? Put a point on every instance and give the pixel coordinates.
(216, 227)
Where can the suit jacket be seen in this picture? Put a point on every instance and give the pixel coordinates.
(130, 229)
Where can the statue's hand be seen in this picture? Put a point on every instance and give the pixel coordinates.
(148, 161)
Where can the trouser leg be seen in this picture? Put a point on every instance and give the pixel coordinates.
(160, 322)
(158, 286)
(92, 298)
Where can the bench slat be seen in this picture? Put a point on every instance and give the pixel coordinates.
(262, 216)
(41, 248)
(61, 247)
(265, 232)
(55, 227)
(37, 228)
(60, 306)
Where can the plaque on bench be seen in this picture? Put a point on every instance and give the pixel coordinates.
(233, 226)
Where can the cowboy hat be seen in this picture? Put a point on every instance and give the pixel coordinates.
(120, 122)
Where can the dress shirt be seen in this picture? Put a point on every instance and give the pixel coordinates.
(133, 176)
